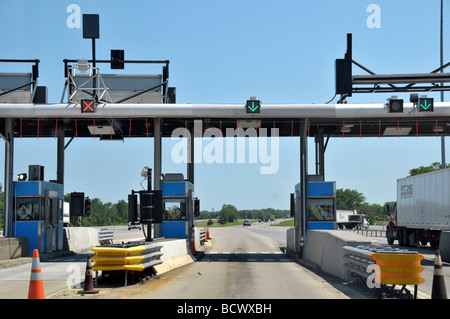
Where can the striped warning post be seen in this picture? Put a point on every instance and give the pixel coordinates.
(193, 241)
(36, 288)
(438, 290)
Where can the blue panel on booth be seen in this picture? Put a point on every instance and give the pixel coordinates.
(26, 188)
(174, 189)
(321, 225)
(28, 229)
(175, 229)
(321, 189)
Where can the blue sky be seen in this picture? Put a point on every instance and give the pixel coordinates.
(224, 52)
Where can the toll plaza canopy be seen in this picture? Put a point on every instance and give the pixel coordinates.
(119, 106)
(118, 121)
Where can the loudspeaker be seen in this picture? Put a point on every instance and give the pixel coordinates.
(35, 173)
(91, 29)
(343, 70)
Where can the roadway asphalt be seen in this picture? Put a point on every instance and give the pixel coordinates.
(239, 263)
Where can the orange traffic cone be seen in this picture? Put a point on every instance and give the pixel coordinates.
(438, 290)
(88, 279)
(193, 241)
(208, 236)
(36, 288)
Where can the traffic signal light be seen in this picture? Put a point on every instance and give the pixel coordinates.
(76, 204)
(426, 104)
(146, 207)
(117, 59)
(196, 207)
(132, 208)
(87, 106)
(395, 105)
(253, 106)
(87, 206)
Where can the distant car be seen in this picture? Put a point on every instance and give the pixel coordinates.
(247, 223)
(134, 225)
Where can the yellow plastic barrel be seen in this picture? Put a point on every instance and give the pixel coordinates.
(399, 269)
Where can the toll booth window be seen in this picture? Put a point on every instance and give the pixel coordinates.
(321, 210)
(174, 209)
(28, 208)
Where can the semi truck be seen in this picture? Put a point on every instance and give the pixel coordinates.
(422, 210)
(350, 219)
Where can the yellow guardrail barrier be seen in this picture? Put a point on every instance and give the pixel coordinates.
(399, 269)
(137, 258)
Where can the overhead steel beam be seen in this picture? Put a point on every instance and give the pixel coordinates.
(232, 111)
(401, 78)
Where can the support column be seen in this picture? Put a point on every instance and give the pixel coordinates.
(60, 154)
(157, 159)
(190, 155)
(194, 131)
(300, 218)
(9, 169)
(157, 137)
(321, 153)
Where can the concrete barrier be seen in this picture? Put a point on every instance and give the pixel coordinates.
(80, 239)
(176, 253)
(290, 243)
(323, 249)
(13, 247)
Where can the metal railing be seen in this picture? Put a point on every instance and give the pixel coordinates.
(369, 232)
(362, 263)
(357, 262)
(105, 236)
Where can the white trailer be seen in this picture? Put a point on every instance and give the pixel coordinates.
(66, 214)
(422, 210)
(350, 219)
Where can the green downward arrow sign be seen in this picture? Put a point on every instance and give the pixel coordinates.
(426, 106)
(253, 107)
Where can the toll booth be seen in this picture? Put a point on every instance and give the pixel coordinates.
(178, 207)
(321, 204)
(38, 211)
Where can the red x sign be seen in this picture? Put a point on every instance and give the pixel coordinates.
(87, 106)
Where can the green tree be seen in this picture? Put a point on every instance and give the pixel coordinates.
(426, 169)
(228, 213)
(349, 199)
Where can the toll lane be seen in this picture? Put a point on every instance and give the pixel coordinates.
(238, 263)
